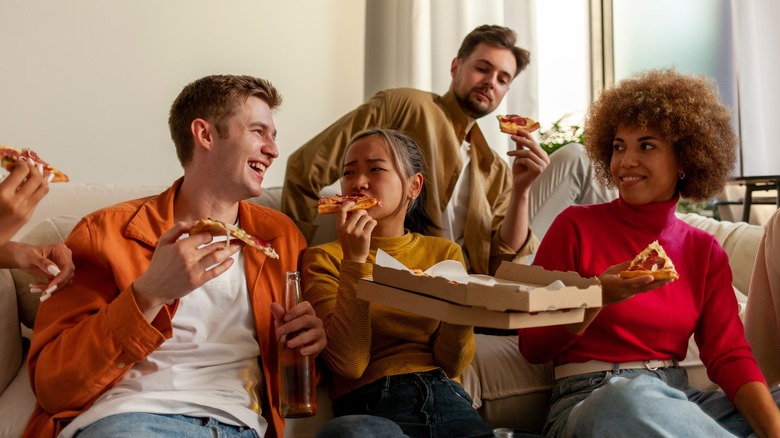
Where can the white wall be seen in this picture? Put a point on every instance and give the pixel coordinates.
(88, 83)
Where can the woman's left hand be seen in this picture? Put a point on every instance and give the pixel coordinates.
(354, 229)
(51, 262)
(616, 289)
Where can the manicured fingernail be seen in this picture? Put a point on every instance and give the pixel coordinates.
(45, 297)
(35, 290)
(40, 168)
(53, 270)
(50, 177)
(50, 290)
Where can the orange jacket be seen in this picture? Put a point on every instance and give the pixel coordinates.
(89, 335)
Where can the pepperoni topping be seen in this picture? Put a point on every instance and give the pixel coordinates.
(518, 120)
(651, 263)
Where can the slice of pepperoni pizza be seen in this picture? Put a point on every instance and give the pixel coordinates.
(219, 228)
(512, 124)
(652, 261)
(9, 157)
(331, 204)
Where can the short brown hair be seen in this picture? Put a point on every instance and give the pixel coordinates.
(214, 99)
(497, 36)
(683, 109)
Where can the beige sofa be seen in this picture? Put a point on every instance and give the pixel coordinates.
(507, 390)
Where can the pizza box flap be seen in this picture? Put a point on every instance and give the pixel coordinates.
(452, 313)
(515, 287)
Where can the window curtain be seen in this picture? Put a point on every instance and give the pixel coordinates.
(411, 43)
(756, 34)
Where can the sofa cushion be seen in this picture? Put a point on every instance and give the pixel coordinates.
(10, 341)
(739, 239)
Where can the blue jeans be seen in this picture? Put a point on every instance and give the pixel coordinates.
(141, 424)
(423, 405)
(641, 403)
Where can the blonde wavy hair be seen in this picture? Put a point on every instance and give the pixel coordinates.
(685, 110)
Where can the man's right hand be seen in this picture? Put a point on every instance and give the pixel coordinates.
(180, 266)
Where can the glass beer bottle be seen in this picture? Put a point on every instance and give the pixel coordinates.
(297, 387)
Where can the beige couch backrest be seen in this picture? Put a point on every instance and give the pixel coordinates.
(739, 239)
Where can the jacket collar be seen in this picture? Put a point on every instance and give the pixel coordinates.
(155, 216)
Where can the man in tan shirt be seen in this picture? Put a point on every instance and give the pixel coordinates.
(476, 198)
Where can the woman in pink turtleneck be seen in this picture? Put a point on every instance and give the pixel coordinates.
(656, 137)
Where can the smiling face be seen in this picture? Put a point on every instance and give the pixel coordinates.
(248, 150)
(644, 165)
(369, 170)
(480, 82)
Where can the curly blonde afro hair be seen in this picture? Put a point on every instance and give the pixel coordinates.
(683, 109)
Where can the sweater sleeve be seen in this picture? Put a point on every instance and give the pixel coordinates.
(94, 322)
(720, 334)
(558, 251)
(317, 163)
(330, 285)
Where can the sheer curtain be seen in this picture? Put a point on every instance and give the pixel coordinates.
(411, 43)
(756, 34)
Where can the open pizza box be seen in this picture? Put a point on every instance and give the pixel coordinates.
(518, 296)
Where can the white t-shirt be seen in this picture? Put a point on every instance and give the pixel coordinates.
(454, 215)
(209, 368)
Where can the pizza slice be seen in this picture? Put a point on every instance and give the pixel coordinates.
(512, 124)
(331, 204)
(10, 156)
(219, 228)
(652, 261)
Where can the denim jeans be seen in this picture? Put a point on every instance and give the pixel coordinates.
(641, 403)
(423, 405)
(141, 424)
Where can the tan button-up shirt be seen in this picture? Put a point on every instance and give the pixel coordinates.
(439, 126)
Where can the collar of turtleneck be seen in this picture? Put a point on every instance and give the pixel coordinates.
(391, 244)
(653, 217)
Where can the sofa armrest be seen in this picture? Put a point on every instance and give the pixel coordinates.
(10, 335)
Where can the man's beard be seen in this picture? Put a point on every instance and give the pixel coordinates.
(472, 107)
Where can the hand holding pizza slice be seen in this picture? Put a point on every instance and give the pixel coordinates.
(512, 124)
(331, 204)
(651, 261)
(219, 228)
(10, 156)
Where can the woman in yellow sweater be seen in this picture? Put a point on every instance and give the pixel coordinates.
(385, 363)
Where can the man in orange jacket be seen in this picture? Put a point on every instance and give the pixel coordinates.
(165, 331)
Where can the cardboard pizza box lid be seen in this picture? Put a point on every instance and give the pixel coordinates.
(515, 287)
(452, 313)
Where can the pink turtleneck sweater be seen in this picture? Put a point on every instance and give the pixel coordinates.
(655, 325)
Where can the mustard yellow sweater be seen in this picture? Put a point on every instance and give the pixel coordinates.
(370, 341)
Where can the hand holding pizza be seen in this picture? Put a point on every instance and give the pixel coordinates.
(354, 228)
(616, 288)
(20, 193)
(530, 160)
(180, 266)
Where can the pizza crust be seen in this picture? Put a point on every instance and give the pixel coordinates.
(512, 124)
(331, 204)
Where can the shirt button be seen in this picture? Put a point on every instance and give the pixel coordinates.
(120, 366)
